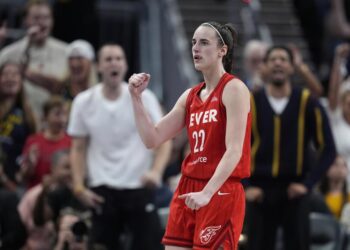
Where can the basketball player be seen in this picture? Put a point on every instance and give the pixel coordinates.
(207, 209)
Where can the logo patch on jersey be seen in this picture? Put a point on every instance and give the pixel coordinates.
(208, 233)
(214, 99)
(221, 193)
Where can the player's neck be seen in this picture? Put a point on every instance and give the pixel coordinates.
(212, 78)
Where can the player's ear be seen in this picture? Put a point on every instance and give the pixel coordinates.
(223, 51)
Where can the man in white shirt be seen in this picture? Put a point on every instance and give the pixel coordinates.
(120, 170)
(43, 55)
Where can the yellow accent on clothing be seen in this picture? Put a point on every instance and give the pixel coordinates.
(335, 203)
(276, 145)
(319, 129)
(301, 126)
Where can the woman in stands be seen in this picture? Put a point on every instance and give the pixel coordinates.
(16, 122)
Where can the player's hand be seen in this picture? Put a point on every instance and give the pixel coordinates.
(195, 200)
(152, 179)
(89, 198)
(296, 190)
(138, 83)
(254, 194)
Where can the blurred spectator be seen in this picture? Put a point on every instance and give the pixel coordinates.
(12, 231)
(308, 78)
(39, 237)
(339, 105)
(179, 146)
(253, 61)
(44, 57)
(82, 73)
(121, 171)
(16, 120)
(333, 186)
(67, 240)
(255, 71)
(286, 120)
(34, 209)
(39, 147)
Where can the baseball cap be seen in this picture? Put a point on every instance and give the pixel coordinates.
(81, 48)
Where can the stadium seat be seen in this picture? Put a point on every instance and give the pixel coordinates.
(325, 232)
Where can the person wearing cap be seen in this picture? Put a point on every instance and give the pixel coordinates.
(81, 69)
(81, 73)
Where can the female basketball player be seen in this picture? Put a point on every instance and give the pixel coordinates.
(207, 209)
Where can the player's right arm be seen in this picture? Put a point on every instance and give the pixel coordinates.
(151, 134)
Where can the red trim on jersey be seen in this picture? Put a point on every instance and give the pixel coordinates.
(170, 241)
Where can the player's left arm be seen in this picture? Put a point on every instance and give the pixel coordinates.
(236, 99)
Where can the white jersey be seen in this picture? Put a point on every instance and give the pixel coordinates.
(116, 156)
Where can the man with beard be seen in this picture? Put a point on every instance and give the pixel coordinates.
(121, 171)
(286, 121)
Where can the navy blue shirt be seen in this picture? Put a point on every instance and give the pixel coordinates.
(13, 133)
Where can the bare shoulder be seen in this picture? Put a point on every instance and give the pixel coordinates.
(182, 99)
(185, 93)
(235, 88)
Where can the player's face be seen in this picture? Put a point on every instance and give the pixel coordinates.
(10, 80)
(112, 65)
(279, 67)
(205, 49)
